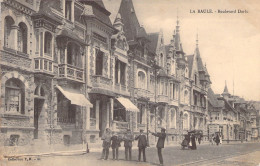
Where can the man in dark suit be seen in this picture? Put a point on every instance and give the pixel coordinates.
(160, 143)
(142, 143)
(128, 138)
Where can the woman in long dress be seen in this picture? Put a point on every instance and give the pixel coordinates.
(193, 142)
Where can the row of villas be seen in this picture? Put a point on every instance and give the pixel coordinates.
(68, 73)
(233, 117)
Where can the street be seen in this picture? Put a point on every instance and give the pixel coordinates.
(227, 154)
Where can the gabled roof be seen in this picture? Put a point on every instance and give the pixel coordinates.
(132, 27)
(153, 37)
(190, 63)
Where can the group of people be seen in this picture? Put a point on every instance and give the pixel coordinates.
(216, 138)
(114, 140)
(190, 141)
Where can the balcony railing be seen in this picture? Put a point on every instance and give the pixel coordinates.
(71, 72)
(163, 98)
(66, 120)
(121, 126)
(120, 88)
(43, 65)
(101, 81)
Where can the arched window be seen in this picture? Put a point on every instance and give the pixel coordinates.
(141, 80)
(14, 96)
(186, 97)
(161, 59)
(186, 72)
(74, 55)
(185, 121)
(9, 22)
(48, 43)
(173, 118)
(22, 38)
(39, 91)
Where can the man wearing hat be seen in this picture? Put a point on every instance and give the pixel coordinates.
(142, 143)
(128, 138)
(160, 143)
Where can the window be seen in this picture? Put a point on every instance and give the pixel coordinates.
(68, 14)
(185, 121)
(171, 90)
(99, 62)
(186, 73)
(195, 99)
(165, 88)
(173, 118)
(14, 96)
(22, 38)
(161, 59)
(9, 22)
(140, 114)
(73, 54)
(195, 79)
(141, 80)
(66, 112)
(161, 87)
(120, 72)
(186, 97)
(48, 43)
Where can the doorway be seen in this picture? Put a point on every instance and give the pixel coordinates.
(38, 105)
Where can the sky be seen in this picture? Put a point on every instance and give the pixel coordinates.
(229, 43)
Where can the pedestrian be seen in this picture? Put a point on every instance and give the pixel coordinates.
(199, 139)
(193, 142)
(106, 143)
(212, 139)
(220, 139)
(217, 139)
(142, 143)
(115, 145)
(128, 139)
(160, 143)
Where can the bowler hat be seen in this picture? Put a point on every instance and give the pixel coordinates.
(163, 129)
(141, 130)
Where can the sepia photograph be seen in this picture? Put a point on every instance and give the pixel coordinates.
(129, 82)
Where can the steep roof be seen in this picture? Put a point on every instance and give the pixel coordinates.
(99, 10)
(132, 27)
(153, 37)
(213, 99)
(190, 63)
(199, 60)
(45, 9)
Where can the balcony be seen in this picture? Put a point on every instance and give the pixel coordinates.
(43, 65)
(162, 99)
(120, 126)
(199, 109)
(71, 72)
(101, 81)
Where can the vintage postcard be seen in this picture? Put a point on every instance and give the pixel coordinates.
(129, 82)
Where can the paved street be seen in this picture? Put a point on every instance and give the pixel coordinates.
(204, 155)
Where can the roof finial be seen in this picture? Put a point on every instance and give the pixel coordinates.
(177, 16)
(197, 39)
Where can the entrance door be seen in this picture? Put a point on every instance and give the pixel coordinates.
(38, 104)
